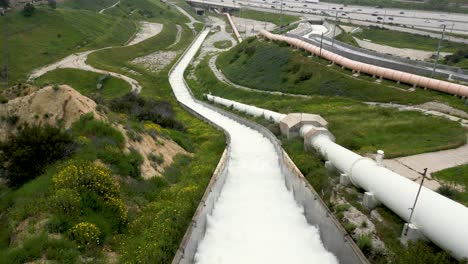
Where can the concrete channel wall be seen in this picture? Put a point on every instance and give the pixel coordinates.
(388, 61)
(333, 235)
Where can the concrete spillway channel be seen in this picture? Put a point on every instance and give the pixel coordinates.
(258, 208)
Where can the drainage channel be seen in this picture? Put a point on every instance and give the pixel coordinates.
(254, 217)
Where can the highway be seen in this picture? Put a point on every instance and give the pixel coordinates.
(418, 19)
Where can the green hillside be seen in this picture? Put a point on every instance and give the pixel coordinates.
(53, 34)
(94, 5)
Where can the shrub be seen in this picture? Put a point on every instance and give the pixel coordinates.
(364, 242)
(86, 177)
(3, 100)
(85, 234)
(12, 120)
(28, 10)
(447, 191)
(25, 155)
(159, 159)
(100, 132)
(160, 112)
(66, 201)
(349, 227)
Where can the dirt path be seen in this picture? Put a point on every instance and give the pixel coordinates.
(112, 6)
(78, 60)
(405, 53)
(178, 36)
(192, 22)
(412, 166)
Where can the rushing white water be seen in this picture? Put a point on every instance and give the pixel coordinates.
(255, 219)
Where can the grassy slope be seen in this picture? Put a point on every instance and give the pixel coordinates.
(356, 126)
(266, 16)
(167, 205)
(267, 66)
(94, 5)
(85, 82)
(53, 34)
(407, 40)
(458, 175)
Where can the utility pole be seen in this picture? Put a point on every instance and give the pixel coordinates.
(334, 29)
(321, 41)
(438, 51)
(417, 195)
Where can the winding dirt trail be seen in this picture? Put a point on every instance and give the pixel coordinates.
(112, 6)
(78, 60)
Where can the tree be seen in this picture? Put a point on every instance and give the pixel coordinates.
(52, 3)
(28, 10)
(4, 3)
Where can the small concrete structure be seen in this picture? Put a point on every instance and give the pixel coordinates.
(369, 200)
(410, 233)
(345, 180)
(312, 133)
(292, 123)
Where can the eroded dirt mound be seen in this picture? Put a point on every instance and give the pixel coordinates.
(60, 105)
(158, 153)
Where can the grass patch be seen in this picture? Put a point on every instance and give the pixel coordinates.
(94, 5)
(54, 34)
(267, 17)
(406, 40)
(457, 175)
(222, 44)
(86, 82)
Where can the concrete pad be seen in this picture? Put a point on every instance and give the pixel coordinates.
(291, 124)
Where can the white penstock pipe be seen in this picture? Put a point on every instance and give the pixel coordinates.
(441, 220)
(248, 109)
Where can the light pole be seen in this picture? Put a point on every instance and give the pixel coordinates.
(438, 50)
(334, 29)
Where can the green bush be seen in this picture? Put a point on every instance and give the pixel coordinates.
(159, 112)
(447, 191)
(85, 234)
(26, 154)
(66, 201)
(28, 10)
(349, 227)
(99, 132)
(364, 242)
(97, 189)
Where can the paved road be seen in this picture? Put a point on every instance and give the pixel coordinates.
(429, 20)
(412, 21)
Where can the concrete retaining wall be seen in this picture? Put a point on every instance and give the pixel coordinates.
(397, 63)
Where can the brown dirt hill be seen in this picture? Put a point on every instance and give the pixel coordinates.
(64, 106)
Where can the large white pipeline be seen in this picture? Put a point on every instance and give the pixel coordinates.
(439, 219)
(400, 76)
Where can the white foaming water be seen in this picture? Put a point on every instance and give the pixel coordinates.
(255, 219)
